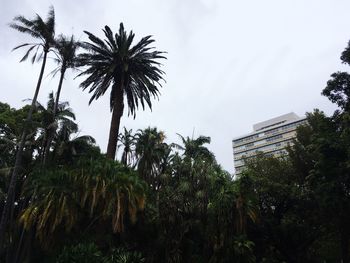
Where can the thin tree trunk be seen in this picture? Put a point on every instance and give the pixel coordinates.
(52, 131)
(58, 93)
(10, 229)
(117, 113)
(124, 159)
(10, 198)
(19, 250)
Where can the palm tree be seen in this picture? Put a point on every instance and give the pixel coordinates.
(245, 204)
(112, 192)
(127, 140)
(63, 129)
(51, 120)
(194, 148)
(150, 151)
(66, 146)
(44, 31)
(66, 52)
(131, 71)
(61, 198)
(53, 194)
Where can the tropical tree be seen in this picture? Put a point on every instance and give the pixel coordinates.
(338, 87)
(288, 220)
(338, 90)
(186, 198)
(246, 207)
(324, 145)
(150, 150)
(44, 31)
(53, 194)
(12, 122)
(66, 54)
(331, 139)
(66, 58)
(112, 191)
(127, 140)
(131, 71)
(193, 148)
(67, 146)
(80, 195)
(66, 143)
(50, 120)
(221, 215)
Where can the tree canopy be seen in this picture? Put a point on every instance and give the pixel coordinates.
(63, 200)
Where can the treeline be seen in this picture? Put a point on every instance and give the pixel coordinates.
(303, 199)
(130, 71)
(63, 200)
(162, 202)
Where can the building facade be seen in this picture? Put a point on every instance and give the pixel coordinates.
(269, 137)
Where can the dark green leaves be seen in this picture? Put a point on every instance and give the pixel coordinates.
(338, 90)
(38, 29)
(113, 62)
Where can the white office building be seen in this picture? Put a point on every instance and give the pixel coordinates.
(270, 137)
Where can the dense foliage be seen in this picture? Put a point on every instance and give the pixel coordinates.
(163, 202)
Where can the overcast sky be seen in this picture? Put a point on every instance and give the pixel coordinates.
(230, 63)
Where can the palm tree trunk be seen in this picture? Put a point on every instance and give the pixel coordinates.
(51, 133)
(117, 113)
(124, 159)
(10, 198)
(63, 71)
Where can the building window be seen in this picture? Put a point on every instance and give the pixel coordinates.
(274, 138)
(249, 145)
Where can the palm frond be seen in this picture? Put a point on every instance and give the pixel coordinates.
(27, 54)
(37, 29)
(108, 60)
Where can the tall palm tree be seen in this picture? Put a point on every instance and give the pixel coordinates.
(130, 71)
(66, 52)
(44, 32)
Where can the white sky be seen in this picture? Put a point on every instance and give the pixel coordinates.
(230, 63)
